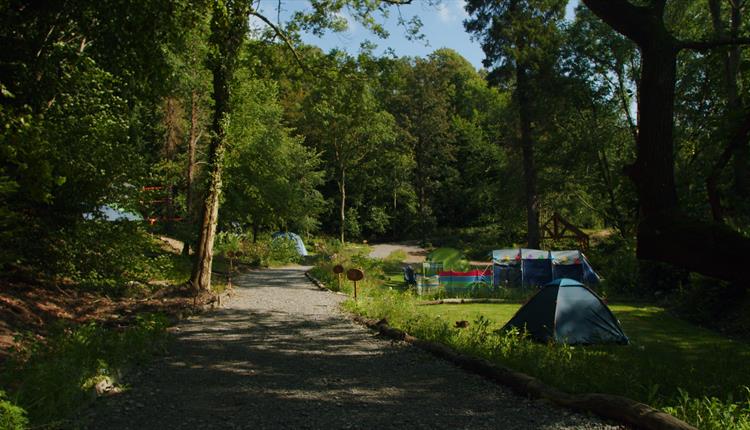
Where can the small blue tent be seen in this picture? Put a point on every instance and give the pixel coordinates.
(293, 237)
(566, 311)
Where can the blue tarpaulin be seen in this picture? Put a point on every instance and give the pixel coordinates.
(536, 267)
(294, 237)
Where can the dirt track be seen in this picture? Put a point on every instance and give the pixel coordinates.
(281, 355)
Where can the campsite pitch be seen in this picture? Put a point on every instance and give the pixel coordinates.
(282, 355)
(666, 355)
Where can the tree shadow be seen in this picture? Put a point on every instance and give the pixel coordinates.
(251, 368)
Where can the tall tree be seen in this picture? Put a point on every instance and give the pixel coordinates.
(736, 121)
(229, 28)
(519, 38)
(346, 124)
(271, 176)
(665, 233)
(228, 31)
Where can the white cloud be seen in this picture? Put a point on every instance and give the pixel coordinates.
(462, 9)
(444, 13)
(451, 10)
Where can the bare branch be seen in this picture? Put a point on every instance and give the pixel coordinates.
(705, 45)
(283, 37)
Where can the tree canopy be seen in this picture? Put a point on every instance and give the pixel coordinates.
(632, 118)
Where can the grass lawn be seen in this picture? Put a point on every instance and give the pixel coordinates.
(696, 374)
(666, 354)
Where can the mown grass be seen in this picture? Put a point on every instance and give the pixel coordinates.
(688, 371)
(667, 353)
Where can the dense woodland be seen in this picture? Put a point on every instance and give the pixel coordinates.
(632, 118)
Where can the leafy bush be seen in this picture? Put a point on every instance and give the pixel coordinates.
(107, 255)
(12, 417)
(270, 252)
(615, 260)
(50, 379)
(282, 251)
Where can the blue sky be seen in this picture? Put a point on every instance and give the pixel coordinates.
(442, 26)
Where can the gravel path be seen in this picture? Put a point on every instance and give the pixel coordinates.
(414, 253)
(280, 355)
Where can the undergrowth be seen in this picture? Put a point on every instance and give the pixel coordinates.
(52, 379)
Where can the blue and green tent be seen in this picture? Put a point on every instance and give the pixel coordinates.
(565, 311)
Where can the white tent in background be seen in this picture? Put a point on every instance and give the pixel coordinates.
(112, 213)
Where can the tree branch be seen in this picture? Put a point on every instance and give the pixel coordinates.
(624, 17)
(705, 45)
(283, 37)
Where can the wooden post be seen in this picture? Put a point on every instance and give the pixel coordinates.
(355, 275)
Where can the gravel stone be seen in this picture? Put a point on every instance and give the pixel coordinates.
(281, 355)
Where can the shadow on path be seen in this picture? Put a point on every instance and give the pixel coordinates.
(281, 355)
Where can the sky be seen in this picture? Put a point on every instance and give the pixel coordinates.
(442, 27)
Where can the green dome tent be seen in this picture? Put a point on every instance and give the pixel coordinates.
(566, 311)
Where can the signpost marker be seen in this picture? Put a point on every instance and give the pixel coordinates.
(355, 275)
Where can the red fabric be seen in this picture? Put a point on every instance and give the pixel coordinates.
(487, 272)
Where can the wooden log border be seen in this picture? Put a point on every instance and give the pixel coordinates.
(618, 408)
(460, 301)
(321, 285)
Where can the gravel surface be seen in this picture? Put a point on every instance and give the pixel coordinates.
(281, 355)
(414, 253)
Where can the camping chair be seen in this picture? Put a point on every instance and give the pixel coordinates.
(409, 276)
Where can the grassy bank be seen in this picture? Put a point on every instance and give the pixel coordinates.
(693, 373)
(53, 378)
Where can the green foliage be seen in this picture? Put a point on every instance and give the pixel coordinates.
(271, 177)
(12, 416)
(263, 252)
(451, 258)
(332, 253)
(53, 378)
(615, 261)
(109, 255)
(711, 413)
(228, 244)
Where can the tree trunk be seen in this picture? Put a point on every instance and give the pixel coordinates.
(172, 137)
(228, 31)
(192, 144)
(664, 233)
(342, 188)
(201, 277)
(527, 146)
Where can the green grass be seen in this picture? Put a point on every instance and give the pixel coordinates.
(692, 372)
(667, 353)
(51, 380)
(497, 313)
